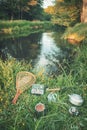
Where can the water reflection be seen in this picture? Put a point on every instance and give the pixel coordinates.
(47, 55)
(40, 48)
(21, 48)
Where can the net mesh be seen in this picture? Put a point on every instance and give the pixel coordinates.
(24, 80)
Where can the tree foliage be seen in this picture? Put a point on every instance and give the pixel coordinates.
(49, 10)
(48, 13)
(67, 12)
(20, 9)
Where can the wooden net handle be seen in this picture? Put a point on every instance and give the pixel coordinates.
(16, 97)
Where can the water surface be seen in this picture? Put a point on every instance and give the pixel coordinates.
(41, 49)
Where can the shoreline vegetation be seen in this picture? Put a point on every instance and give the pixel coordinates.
(19, 28)
(22, 115)
(76, 34)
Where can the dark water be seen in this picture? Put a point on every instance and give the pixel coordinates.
(41, 49)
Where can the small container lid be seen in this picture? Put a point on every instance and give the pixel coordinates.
(77, 97)
(40, 107)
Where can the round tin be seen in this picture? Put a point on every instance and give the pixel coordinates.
(39, 107)
(40, 110)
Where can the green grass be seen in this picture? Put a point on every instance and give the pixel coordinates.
(20, 23)
(18, 28)
(22, 115)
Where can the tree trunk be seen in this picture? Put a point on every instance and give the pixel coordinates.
(84, 12)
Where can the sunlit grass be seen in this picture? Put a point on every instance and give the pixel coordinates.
(78, 33)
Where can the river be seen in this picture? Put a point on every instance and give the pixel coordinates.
(40, 49)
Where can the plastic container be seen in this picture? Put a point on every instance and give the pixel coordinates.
(37, 89)
(52, 97)
(75, 99)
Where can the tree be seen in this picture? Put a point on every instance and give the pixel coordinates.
(8, 8)
(19, 9)
(36, 10)
(67, 12)
(30, 8)
(78, 33)
(48, 13)
(49, 10)
(84, 12)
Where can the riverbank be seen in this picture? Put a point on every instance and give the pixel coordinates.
(19, 28)
(76, 34)
(22, 115)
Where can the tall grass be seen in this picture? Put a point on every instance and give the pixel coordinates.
(22, 115)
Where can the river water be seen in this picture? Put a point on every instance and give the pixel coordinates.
(40, 49)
